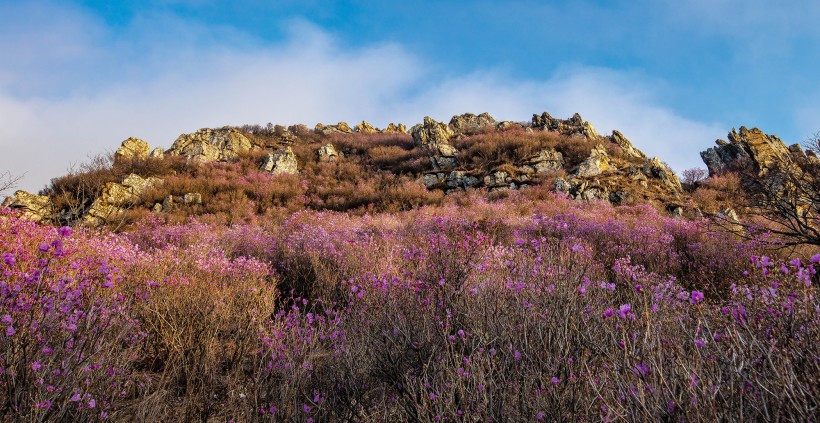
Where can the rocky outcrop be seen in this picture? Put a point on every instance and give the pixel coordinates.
(747, 147)
(431, 133)
(339, 128)
(392, 128)
(116, 197)
(132, 149)
(461, 179)
(470, 124)
(327, 153)
(211, 145)
(627, 147)
(38, 208)
(366, 128)
(596, 164)
(569, 127)
(281, 162)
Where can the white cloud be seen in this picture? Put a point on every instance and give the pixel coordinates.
(172, 88)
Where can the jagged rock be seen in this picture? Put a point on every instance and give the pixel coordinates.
(339, 128)
(157, 208)
(596, 164)
(157, 153)
(730, 220)
(431, 133)
(192, 198)
(461, 179)
(327, 153)
(764, 151)
(366, 128)
(116, 196)
(569, 127)
(655, 168)
(626, 146)
(395, 129)
(132, 149)
(38, 208)
(209, 145)
(470, 124)
(281, 162)
(546, 160)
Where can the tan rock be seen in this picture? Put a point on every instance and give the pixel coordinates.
(431, 133)
(157, 153)
(596, 164)
(339, 128)
(392, 128)
(116, 197)
(366, 128)
(655, 168)
(208, 145)
(281, 162)
(38, 208)
(546, 160)
(327, 153)
(132, 149)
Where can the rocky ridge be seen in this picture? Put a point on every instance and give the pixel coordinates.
(600, 176)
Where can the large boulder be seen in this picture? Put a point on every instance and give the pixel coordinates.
(469, 124)
(431, 133)
(281, 162)
(116, 197)
(747, 147)
(210, 145)
(596, 164)
(569, 127)
(38, 208)
(157, 153)
(132, 149)
(327, 153)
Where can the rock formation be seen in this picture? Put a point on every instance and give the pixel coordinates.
(762, 151)
(545, 161)
(132, 149)
(157, 153)
(116, 197)
(627, 147)
(392, 128)
(431, 133)
(281, 162)
(339, 128)
(569, 127)
(366, 128)
(210, 145)
(596, 164)
(38, 208)
(327, 153)
(470, 124)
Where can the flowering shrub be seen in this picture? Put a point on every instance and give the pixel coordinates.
(508, 310)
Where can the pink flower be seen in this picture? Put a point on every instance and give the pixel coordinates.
(36, 365)
(609, 313)
(555, 380)
(815, 258)
(64, 231)
(540, 416)
(697, 297)
(624, 310)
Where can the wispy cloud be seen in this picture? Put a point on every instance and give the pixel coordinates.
(156, 88)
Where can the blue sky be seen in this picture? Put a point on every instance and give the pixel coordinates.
(78, 77)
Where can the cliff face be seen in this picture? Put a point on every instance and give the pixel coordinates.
(468, 153)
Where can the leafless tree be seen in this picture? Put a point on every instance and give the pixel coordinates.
(8, 181)
(787, 197)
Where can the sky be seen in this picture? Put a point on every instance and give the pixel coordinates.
(78, 77)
